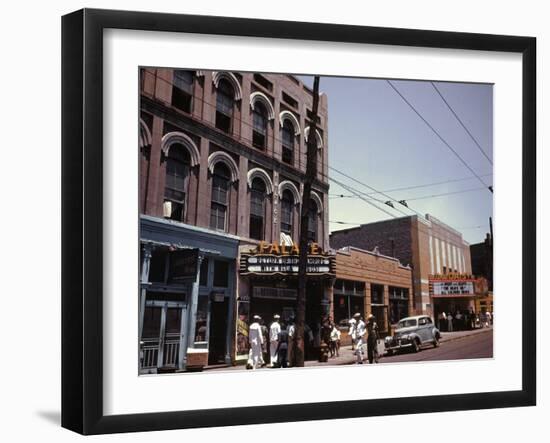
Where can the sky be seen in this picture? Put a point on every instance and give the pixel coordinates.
(376, 138)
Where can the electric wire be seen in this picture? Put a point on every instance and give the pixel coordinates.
(439, 136)
(462, 124)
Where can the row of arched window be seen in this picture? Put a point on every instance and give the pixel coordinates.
(228, 92)
(180, 155)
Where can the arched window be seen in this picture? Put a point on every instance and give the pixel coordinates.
(257, 209)
(224, 106)
(219, 207)
(177, 177)
(312, 221)
(287, 212)
(182, 90)
(288, 139)
(259, 123)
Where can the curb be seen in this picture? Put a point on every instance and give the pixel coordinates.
(458, 337)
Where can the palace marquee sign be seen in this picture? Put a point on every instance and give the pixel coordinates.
(274, 258)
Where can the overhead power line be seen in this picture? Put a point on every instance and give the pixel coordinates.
(462, 124)
(377, 192)
(358, 194)
(415, 198)
(489, 188)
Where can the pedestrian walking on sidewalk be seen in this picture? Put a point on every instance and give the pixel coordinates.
(334, 341)
(255, 340)
(282, 347)
(351, 332)
(372, 339)
(441, 320)
(291, 338)
(274, 330)
(359, 331)
(450, 319)
(458, 321)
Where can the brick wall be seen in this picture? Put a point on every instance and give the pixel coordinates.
(392, 237)
(158, 114)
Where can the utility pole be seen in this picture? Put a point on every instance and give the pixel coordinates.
(311, 174)
(490, 255)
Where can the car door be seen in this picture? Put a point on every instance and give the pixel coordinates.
(429, 330)
(423, 329)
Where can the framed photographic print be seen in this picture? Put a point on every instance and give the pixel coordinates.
(254, 210)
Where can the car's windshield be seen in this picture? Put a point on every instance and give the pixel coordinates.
(406, 323)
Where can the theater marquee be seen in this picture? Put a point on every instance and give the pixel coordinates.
(452, 285)
(274, 258)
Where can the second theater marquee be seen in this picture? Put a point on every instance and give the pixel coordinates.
(274, 258)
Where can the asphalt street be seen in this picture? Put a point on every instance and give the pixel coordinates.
(473, 346)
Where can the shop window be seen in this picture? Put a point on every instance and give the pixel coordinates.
(177, 177)
(341, 310)
(151, 323)
(221, 274)
(157, 268)
(377, 294)
(257, 209)
(201, 321)
(182, 90)
(288, 138)
(259, 123)
(203, 279)
(287, 205)
(224, 106)
(312, 222)
(220, 198)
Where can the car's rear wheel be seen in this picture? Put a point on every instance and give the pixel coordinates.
(389, 352)
(416, 345)
(436, 341)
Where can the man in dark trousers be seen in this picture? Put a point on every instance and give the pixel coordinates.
(372, 339)
(282, 347)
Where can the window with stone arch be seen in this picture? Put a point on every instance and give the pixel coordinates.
(312, 221)
(225, 104)
(259, 126)
(219, 206)
(178, 164)
(258, 196)
(287, 212)
(288, 140)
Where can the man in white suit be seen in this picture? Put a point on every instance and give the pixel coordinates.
(274, 330)
(255, 340)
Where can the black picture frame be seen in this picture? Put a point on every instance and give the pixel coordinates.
(82, 215)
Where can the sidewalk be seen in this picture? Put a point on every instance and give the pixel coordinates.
(347, 356)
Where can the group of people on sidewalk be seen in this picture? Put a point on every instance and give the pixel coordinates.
(360, 332)
(277, 342)
(463, 321)
(274, 346)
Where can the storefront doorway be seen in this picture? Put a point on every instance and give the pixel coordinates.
(219, 306)
(163, 326)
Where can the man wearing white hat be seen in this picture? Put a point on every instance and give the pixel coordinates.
(255, 340)
(358, 332)
(274, 330)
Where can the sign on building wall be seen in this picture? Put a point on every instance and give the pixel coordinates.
(451, 285)
(274, 258)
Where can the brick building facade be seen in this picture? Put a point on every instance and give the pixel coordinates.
(222, 166)
(369, 282)
(428, 245)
